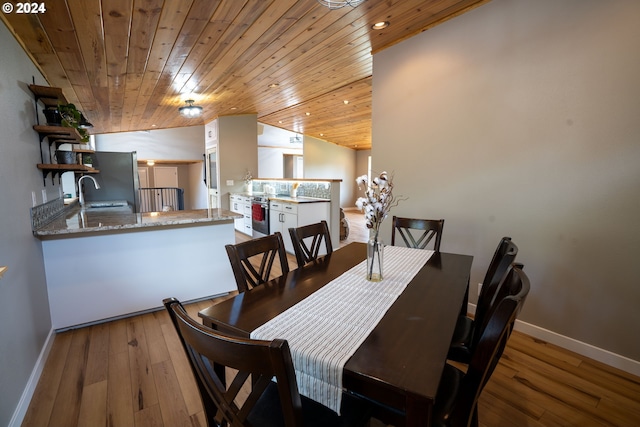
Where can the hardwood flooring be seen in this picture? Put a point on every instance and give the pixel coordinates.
(133, 373)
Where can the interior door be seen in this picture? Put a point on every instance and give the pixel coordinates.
(212, 177)
(164, 176)
(143, 176)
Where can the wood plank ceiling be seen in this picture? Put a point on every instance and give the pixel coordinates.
(129, 64)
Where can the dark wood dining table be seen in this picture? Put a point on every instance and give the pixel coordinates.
(400, 363)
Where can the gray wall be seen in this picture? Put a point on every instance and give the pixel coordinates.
(324, 160)
(24, 317)
(520, 118)
(185, 143)
(237, 152)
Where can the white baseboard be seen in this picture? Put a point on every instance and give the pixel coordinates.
(30, 388)
(601, 355)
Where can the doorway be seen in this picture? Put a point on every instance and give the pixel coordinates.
(292, 166)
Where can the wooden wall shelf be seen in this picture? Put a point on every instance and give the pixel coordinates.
(48, 92)
(58, 134)
(58, 169)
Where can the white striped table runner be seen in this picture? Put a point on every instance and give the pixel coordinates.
(326, 328)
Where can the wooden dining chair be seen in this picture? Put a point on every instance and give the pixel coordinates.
(308, 240)
(252, 261)
(457, 398)
(425, 230)
(468, 330)
(253, 364)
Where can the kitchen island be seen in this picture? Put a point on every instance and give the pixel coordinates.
(104, 263)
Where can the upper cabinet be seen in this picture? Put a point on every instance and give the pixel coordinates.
(52, 160)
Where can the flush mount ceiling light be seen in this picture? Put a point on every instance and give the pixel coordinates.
(189, 111)
(338, 4)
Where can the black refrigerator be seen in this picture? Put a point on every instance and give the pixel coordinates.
(118, 179)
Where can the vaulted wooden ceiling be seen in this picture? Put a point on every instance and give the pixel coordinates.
(129, 64)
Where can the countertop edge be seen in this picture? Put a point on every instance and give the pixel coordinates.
(284, 198)
(153, 222)
(298, 199)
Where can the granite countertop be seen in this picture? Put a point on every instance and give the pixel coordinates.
(78, 222)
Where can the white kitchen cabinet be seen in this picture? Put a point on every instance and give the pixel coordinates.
(285, 215)
(247, 225)
(242, 205)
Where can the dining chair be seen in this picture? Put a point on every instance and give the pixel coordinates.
(456, 403)
(252, 261)
(468, 330)
(251, 398)
(307, 241)
(409, 229)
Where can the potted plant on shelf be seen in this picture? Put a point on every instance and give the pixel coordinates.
(72, 117)
(87, 160)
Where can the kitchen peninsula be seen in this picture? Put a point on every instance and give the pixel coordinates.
(107, 262)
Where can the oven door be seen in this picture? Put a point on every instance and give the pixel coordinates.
(260, 217)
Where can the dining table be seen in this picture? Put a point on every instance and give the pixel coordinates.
(398, 365)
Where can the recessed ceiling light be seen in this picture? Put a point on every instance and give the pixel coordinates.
(280, 121)
(380, 25)
(322, 134)
(234, 108)
(272, 85)
(308, 113)
(346, 101)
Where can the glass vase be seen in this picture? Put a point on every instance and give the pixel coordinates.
(375, 252)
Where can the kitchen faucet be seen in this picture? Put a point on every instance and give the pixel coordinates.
(80, 192)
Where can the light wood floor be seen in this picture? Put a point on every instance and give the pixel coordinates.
(133, 372)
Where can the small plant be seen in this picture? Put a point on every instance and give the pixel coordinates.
(71, 117)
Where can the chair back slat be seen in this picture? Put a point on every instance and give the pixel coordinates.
(417, 233)
(308, 241)
(253, 260)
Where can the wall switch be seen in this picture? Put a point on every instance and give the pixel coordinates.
(34, 202)
(229, 182)
(44, 196)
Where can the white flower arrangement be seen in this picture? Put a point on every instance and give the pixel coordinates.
(378, 199)
(248, 178)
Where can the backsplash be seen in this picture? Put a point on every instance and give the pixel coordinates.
(43, 214)
(321, 190)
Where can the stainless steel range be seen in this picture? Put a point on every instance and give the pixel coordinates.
(260, 215)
